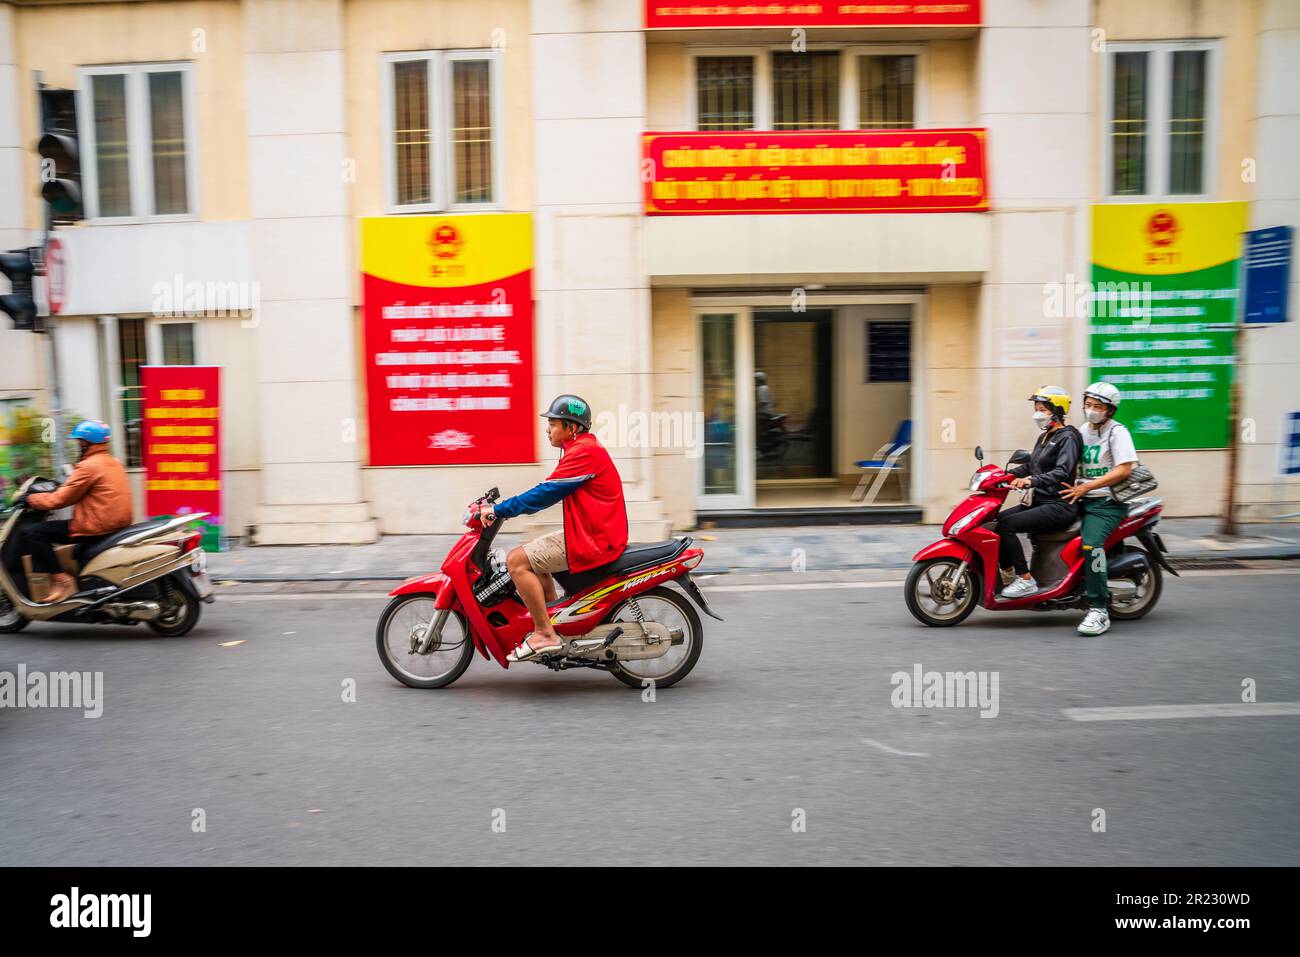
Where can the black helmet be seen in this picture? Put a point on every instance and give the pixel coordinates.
(571, 408)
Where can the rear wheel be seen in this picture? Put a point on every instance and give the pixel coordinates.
(401, 631)
(11, 619)
(1148, 584)
(675, 612)
(180, 611)
(937, 596)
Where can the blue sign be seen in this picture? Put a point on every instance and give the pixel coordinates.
(1268, 272)
(1291, 444)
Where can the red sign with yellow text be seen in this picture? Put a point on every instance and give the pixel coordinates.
(815, 171)
(181, 439)
(448, 308)
(666, 14)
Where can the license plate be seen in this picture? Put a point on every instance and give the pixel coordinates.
(202, 584)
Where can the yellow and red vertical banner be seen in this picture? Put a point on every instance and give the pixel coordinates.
(448, 314)
(181, 438)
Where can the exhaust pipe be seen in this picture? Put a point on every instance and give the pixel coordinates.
(134, 610)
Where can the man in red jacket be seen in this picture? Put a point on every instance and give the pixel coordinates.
(595, 518)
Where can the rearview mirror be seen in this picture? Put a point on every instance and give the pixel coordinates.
(1018, 457)
(979, 454)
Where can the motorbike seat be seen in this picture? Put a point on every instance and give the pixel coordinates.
(636, 556)
(1059, 535)
(86, 552)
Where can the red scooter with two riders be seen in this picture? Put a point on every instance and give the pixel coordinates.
(960, 571)
(620, 617)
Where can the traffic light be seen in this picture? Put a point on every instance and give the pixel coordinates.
(60, 156)
(18, 269)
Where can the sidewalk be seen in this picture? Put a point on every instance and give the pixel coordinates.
(726, 550)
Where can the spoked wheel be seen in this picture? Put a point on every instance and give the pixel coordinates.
(1149, 585)
(401, 633)
(937, 596)
(11, 619)
(676, 613)
(180, 612)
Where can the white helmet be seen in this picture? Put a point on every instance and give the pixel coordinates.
(1104, 392)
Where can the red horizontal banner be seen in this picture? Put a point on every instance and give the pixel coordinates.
(814, 171)
(664, 14)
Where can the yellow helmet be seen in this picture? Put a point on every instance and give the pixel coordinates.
(1055, 397)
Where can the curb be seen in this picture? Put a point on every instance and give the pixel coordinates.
(1264, 553)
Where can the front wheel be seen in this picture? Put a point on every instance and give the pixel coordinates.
(675, 612)
(937, 596)
(400, 634)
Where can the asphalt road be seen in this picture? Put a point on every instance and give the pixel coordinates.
(789, 708)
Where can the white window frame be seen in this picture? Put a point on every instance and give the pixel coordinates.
(138, 136)
(849, 108)
(1160, 71)
(441, 156)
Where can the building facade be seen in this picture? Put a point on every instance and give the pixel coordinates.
(751, 326)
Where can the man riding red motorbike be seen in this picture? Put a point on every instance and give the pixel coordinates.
(595, 519)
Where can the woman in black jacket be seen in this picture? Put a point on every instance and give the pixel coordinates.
(1051, 465)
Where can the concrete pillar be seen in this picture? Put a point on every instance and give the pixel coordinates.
(593, 296)
(302, 240)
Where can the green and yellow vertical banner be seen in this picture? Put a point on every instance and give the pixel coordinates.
(1165, 287)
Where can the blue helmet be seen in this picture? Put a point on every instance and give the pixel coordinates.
(94, 432)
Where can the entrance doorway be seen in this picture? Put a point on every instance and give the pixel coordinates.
(796, 401)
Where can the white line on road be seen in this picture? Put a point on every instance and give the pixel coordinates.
(1157, 712)
(886, 748)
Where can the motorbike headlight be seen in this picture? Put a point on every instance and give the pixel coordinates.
(961, 523)
(975, 481)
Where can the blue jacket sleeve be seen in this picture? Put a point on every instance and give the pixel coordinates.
(539, 496)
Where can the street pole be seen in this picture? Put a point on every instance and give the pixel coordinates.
(59, 457)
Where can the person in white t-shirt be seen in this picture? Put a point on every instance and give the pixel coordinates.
(1108, 459)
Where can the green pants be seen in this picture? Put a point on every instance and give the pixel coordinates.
(1101, 516)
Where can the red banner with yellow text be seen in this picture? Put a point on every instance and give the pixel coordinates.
(684, 14)
(181, 439)
(448, 310)
(815, 171)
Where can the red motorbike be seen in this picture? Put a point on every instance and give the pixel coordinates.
(960, 571)
(620, 617)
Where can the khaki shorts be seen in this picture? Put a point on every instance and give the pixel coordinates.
(546, 554)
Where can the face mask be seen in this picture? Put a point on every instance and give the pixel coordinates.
(1042, 420)
(1096, 418)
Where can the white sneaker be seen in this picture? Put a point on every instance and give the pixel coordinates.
(1020, 588)
(1096, 622)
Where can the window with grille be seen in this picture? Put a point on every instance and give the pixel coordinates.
(889, 350)
(806, 90)
(1158, 115)
(443, 144)
(137, 134)
(177, 340)
(132, 353)
(886, 92)
(724, 92)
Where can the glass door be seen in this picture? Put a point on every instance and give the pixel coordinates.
(726, 471)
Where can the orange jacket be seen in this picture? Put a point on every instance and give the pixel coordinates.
(99, 490)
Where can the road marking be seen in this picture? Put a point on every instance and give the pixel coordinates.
(1157, 712)
(887, 749)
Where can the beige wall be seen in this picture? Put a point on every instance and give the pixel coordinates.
(673, 343)
(58, 39)
(866, 413)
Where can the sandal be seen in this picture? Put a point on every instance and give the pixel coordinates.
(526, 650)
